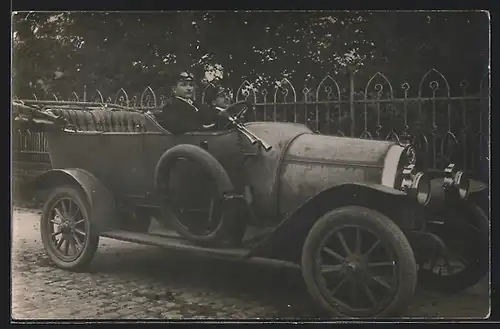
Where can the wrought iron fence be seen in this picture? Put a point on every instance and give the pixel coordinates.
(449, 124)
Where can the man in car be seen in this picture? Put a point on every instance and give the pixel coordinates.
(180, 114)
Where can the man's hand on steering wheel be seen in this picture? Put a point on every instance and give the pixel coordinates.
(224, 113)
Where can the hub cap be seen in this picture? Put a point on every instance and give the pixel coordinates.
(68, 229)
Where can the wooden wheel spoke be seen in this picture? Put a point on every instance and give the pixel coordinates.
(77, 240)
(73, 245)
(64, 209)
(58, 213)
(367, 254)
(334, 290)
(370, 295)
(359, 241)
(80, 221)
(331, 268)
(66, 247)
(334, 254)
(381, 281)
(70, 208)
(344, 244)
(380, 264)
(70, 244)
(56, 233)
(60, 242)
(80, 232)
(77, 210)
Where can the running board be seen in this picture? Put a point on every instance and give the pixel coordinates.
(175, 243)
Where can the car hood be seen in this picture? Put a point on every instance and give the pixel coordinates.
(338, 150)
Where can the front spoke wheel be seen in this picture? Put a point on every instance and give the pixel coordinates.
(353, 263)
(356, 270)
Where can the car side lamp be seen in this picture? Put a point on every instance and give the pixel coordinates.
(456, 182)
(416, 184)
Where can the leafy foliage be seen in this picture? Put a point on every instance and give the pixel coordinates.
(61, 52)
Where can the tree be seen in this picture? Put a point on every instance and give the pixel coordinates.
(61, 52)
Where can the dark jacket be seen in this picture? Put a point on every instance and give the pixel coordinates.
(179, 117)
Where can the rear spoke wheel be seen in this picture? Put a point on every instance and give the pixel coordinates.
(66, 229)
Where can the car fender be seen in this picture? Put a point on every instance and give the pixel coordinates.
(101, 201)
(286, 240)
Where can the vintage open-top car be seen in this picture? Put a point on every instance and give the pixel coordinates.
(362, 218)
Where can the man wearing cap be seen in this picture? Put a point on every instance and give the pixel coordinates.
(180, 114)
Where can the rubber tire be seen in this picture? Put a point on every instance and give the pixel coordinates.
(386, 229)
(464, 279)
(230, 229)
(92, 241)
(217, 172)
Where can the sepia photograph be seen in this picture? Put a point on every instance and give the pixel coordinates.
(250, 165)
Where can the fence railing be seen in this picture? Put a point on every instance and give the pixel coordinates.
(449, 124)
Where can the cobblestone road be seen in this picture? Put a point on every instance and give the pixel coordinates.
(129, 281)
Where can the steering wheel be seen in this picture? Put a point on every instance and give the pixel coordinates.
(227, 115)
